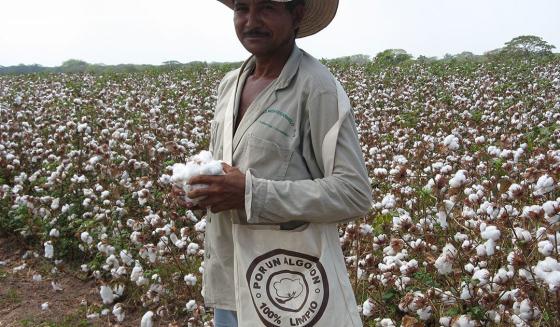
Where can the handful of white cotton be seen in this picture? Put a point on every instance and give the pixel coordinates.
(200, 164)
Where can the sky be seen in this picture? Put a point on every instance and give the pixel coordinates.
(151, 32)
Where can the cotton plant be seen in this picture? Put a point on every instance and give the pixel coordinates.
(446, 152)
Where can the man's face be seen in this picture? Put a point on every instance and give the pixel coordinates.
(264, 26)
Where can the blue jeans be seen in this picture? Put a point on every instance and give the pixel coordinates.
(225, 318)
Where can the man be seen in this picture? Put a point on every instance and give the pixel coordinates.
(283, 104)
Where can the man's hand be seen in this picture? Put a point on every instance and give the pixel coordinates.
(179, 196)
(224, 192)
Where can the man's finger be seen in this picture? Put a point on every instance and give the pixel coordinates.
(176, 190)
(226, 167)
(181, 202)
(205, 192)
(205, 179)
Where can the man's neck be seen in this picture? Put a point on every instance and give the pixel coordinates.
(270, 67)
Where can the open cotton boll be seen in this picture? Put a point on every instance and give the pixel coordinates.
(451, 142)
(147, 319)
(458, 180)
(444, 262)
(367, 308)
(200, 164)
(191, 305)
(118, 312)
(49, 250)
(490, 233)
(106, 294)
(190, 279)
(203, 157)
(211, 168)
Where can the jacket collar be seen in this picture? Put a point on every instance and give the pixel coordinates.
(267, 97)
(288, 71)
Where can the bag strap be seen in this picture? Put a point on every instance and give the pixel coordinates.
(330, 140)
(227, 155)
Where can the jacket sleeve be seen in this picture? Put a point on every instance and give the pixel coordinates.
(344, 195)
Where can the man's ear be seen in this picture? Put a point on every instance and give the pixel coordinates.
(298, 13)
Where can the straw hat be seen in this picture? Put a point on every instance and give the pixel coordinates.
(318, 14)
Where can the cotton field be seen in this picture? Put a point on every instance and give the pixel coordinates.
(464, 161)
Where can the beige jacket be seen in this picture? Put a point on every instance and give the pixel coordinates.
(278, 146)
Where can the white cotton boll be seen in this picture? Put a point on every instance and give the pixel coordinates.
(200, 226)
(212, 168)
(389, 201)
(424, 313)
(386, 322)
(106, 294)
(514, 190)
(54, 233)
(137, 273)
(552, 211)
(203, 156)
(490, 246)
(551, 207)
(490, 233)
(191, 305)
(176, 241)
(49, 250)
(366, 229)
(45, 306)
(380, 172)
(464, 321)
(367, 308)
(147, 319)
(548, 271)
(125, 257)
(37, 278)
(482, 275)
(86, 238)
(92, 316)
(442, 219)
(546, 247)
(544, 185)
(521, 235)
(192, 248)
(459, 179)
(190, 279)
(451, 142)
(444, 262)
(466, 291)
(524, 310)
(55, 204)
(445, 321)
(56, 286)
(446, 169)
(118, 312)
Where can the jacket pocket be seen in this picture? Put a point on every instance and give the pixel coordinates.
(268, 159)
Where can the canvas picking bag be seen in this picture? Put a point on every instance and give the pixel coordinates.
(292, 277)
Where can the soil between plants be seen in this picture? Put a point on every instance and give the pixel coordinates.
(21, 297)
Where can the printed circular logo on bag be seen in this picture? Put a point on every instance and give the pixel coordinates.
(288, 288)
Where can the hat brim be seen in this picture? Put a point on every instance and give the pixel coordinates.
(318, 15)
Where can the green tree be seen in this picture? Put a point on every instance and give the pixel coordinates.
(391, 57)
(526, 45)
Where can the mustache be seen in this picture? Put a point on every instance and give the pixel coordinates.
(255, 33)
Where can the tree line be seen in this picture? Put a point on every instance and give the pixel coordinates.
(525, 46)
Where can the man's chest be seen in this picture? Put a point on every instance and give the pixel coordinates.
(250, 91)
